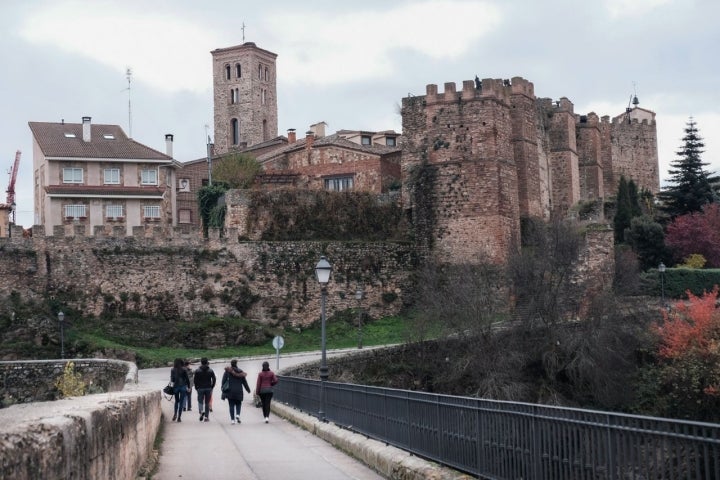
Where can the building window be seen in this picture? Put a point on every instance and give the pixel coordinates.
(75, 211)
(233, 95)
(151, 211)
(267, 77)
(339, 184)
(235, 128)
(259, 72)
(365, 140)
(184, 216)
(238, 70)
(112, 176)
(114, 211)
(227, 72)
(390, 141)
(265, 130)
(72, 175)
(149, 177)
(262, 97)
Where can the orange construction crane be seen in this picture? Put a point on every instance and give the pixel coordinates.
(13, 176)
(11, 186)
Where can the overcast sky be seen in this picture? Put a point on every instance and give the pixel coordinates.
(347, 63)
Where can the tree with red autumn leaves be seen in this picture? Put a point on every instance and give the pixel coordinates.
(689, 358)
(697, 232)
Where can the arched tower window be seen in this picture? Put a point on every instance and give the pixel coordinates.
(235, 128)
(259, 72)
(227, 72)
(265, 131)
(266, 74)
(238, 70)
(262, 97)
(232, 96)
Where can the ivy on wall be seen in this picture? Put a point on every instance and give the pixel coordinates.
(211, 213)
(321, 215)
(421, 184)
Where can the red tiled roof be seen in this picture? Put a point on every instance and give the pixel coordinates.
(104, 190)
(54, 143)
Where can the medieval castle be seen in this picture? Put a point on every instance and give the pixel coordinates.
(497, 153)
(491, 153)
(470, 165)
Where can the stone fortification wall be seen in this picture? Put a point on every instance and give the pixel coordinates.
(34, 381)
(634, 153)
(107, 436)
(471, 209)
(176, 277)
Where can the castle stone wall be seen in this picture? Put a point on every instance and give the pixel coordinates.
(634, 153)
(177, 277)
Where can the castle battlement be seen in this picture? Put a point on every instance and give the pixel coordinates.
(589, 120)
(146, 236)
(500, 89)
(633, 121)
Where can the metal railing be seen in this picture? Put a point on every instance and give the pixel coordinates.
(511, 440)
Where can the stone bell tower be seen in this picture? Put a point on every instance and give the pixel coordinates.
(245, 96)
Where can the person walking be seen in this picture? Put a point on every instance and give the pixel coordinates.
(180, 382)
(204, 381)
(233, 383)
(188, 397)
(266, 380)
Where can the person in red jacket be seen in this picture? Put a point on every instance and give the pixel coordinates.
(266, 380)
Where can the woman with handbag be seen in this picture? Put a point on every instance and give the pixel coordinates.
(266, 380)
(180, 382)
(233, 383)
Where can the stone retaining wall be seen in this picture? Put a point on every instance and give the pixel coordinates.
(34, 381)
(109, 435)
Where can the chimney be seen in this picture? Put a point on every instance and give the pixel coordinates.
(292, 138)
(309, 138)
(169, 144)
(319, 129)
(86, 129)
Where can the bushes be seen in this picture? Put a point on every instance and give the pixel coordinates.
(678, 281)
(684, 379)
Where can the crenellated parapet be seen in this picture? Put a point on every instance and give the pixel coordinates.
(488, 88)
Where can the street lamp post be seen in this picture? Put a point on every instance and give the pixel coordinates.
(661, 269)
(322, 274)
(359, 297)
(61, 318)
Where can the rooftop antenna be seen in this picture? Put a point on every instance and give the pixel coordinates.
(128, 75)
(209, 147)
(243, 31)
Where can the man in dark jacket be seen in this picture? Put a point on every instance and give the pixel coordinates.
(204, 380)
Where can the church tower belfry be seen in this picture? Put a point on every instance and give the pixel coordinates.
(244, 96)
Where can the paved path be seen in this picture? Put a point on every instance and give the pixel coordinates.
(251, 450)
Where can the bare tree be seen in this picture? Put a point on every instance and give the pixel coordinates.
(541, 272)
(465, 300)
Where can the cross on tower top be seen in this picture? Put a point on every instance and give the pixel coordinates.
(243, 31)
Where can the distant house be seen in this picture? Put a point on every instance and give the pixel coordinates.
(94, 175)
(347, 160)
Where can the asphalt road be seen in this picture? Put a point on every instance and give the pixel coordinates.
(251, 450)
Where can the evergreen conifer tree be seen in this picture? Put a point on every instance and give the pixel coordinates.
(691, 186)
